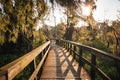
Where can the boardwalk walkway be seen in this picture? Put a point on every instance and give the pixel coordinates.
(61, 66)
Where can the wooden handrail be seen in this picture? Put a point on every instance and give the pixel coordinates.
(71, 46)
(9, 71)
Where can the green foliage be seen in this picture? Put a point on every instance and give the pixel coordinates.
(17, 34)
(1, 39)
(99, 45)
(18, 17)
(107, 68)
(69, 32)
(46, 31)
(17, 24)
(24, 75)
(59, 30)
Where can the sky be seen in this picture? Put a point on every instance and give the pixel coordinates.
(106, 10)
(55, 16)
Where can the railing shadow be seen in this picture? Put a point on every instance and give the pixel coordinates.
(66, 65)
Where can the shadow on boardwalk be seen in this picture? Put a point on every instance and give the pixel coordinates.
(60, 65)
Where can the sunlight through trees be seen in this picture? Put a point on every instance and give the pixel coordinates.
(23, 26)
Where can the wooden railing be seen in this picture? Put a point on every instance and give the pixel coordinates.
(11, 70)
(77, 51)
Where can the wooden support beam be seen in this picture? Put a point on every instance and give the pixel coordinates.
(74, 54)
(93, 61)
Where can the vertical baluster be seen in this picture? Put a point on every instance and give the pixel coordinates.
(74, 53)
(93, 61)
(118, 69)
(67, 46)
(58, 42)
(35, 66)
(39, 61)
(80, 55)
(44, 54)
(64, 44)
(70, 49)
(32, 67)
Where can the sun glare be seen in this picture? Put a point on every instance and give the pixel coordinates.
(86, 10)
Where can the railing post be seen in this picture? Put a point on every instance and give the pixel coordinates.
(58, 42)
(70, 48)
(74, 54)
(80, 55)
(67, 46)
(35, 66)
(64, 44)
(43, 53)
(118, 69)
(93, 61)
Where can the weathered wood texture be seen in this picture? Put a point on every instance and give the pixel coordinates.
(60, 65)
(9, 71)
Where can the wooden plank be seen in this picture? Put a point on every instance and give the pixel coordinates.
(18, 65)
(61, 65)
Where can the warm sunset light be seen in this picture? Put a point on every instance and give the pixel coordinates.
(86, 10)
(59, 39)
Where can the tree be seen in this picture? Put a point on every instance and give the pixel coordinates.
(116, 37)
(59, 30)
(69, 32)
(18, 19)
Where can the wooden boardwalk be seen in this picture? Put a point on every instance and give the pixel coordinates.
(61, 66)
